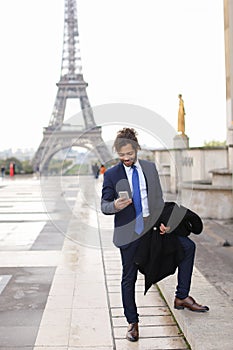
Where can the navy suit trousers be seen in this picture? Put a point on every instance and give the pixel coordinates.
(130, 271)
(185, 268)
(129, 278)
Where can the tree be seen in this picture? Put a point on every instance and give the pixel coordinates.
(214, 143)
(18, 165)
(27, 167)
(23, 167)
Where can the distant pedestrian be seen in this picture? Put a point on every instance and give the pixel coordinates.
(96, 170)
(37, 172)
(3, 169)
(101, 172)
(12, 169)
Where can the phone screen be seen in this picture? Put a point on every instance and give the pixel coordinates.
(124, 194)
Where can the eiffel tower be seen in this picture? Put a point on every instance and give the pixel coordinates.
(57, 135)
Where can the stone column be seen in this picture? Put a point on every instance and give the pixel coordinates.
(181, 141)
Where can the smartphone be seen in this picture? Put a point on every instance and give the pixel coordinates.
(124, 194)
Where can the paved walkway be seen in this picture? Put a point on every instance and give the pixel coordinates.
(60, 279)
(60, 275)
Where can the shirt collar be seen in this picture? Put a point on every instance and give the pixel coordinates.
(128, 169)
(137, 164)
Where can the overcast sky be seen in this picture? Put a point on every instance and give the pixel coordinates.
(133, 51)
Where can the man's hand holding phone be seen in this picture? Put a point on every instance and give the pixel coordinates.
(123, 201)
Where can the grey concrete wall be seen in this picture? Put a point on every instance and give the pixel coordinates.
(193, 164)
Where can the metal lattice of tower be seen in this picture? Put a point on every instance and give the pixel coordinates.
(71, 85)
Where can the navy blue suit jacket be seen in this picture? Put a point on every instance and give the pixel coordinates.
(115, 180)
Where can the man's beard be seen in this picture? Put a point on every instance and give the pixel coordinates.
(131, 161)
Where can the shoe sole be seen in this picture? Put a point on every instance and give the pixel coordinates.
(132, 340)
(184, 307)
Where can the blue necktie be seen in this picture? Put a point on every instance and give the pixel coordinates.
(139, 225)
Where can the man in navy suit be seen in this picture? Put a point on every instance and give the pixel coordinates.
(120, 178)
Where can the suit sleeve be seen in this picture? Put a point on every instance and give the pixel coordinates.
(108, 195)
(158, 187)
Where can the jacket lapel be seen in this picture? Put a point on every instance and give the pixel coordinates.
(146, 174)
(122, 180)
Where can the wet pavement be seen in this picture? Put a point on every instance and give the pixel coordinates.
(60, 275)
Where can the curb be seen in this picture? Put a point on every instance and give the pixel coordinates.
(203, 331)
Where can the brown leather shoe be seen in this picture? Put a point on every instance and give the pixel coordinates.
(132, 332)
(190, 304)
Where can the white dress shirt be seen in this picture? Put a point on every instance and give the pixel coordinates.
(142, 184)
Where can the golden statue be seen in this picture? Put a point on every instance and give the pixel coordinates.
(181, 114)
